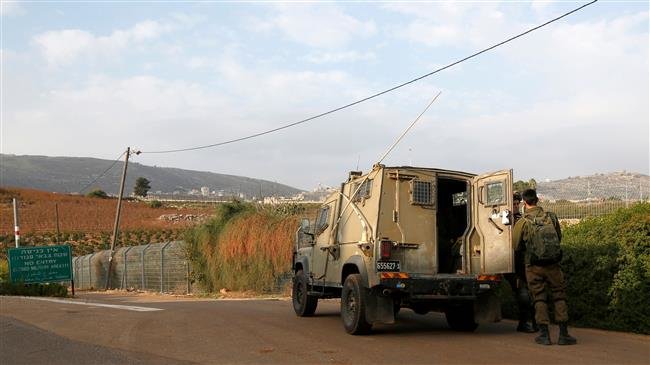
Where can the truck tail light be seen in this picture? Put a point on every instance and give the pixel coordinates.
(496, 278)
(384, 249)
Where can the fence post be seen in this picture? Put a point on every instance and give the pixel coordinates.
(187, 268)
(81, 271)
(162, 265)
(74, 271)
(143, 279)
(90, 273)
(124, 277)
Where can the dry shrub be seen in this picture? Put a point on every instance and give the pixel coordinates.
(255, 250)
(242, 248)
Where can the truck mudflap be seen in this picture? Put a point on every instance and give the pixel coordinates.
(379, 308)
(487, 308)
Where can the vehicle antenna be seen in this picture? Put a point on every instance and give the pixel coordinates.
(408, 129)
(382, 159)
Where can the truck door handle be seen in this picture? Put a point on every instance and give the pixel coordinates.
(495, 225)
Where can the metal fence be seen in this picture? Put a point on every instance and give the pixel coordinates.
(580, 197)
(161, 267)
(580, 210)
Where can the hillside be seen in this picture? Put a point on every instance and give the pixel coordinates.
(71, 174)
(616, 185)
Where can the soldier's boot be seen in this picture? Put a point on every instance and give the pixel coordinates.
(565, 338)
(543, 338)
(523, 325)
(534, 325)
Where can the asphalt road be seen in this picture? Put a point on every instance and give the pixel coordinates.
(168, 330)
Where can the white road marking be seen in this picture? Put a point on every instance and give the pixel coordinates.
(91, 304)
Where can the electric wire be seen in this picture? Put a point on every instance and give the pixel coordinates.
(379, 93)
(103, 173)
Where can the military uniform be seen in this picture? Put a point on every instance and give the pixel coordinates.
(539, 277)
(518, 285)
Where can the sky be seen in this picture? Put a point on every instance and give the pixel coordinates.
(89, 79)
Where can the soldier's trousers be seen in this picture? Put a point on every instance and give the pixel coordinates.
(541, 277)
(521, 294)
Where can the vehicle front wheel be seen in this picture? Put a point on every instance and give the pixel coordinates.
(354, 299)
(303, 304)
(461, 317)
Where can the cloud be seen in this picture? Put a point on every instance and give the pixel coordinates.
(104, 113)
(62, 47)
(11, 8)
(315, 26)
(339, 57)
(541, 6)
(578, 91)
(450, 24)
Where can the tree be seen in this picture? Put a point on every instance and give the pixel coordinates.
(97, 193)
(520, 185)
(141, 187)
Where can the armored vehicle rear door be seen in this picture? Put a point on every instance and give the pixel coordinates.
(490, 245)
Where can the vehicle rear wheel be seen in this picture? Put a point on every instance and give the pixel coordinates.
(303, 304)
(354, 299)
(460, 317)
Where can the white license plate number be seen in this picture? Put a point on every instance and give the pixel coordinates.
(388, 266)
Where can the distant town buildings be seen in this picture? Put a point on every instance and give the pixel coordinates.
(317, 195)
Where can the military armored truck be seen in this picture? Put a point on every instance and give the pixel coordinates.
(407, 237)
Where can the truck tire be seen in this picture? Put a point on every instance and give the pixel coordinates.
(354, 299)
(461, 317)
(303, 304)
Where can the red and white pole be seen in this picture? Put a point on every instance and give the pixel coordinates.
(16, 223)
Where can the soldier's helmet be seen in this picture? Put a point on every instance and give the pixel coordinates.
(516, 196)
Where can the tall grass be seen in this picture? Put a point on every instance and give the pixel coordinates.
(243, 247)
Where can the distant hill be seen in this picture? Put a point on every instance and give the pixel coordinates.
(71, 174)
(616, 185)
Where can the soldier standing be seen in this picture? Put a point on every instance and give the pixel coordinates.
(538, 235)
(517, 281)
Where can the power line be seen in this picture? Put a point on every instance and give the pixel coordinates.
(379, 93)
(103, 173)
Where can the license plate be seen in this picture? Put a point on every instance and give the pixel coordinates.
(388, 266)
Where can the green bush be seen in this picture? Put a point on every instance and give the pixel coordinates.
(155, 204)
(97, 194)
(607, 263)
(202, 242)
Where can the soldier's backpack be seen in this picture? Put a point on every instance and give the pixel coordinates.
(543, 244)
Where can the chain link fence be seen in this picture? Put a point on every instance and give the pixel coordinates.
(160, 267)
(580, 197)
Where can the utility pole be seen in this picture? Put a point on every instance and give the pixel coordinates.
(58, 230)
(16, 224)
(117, 219)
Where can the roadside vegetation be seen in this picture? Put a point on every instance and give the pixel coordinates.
(607, 266)
(244, 247)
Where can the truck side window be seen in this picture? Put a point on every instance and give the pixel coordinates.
(495, 193)
(364, 190)
(323, 219)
